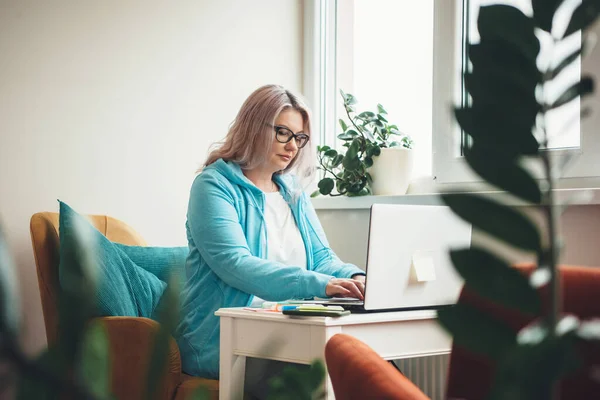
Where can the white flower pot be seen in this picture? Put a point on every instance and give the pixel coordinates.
(391, 171)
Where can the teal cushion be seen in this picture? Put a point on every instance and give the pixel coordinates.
(162, 262)
(123, 288)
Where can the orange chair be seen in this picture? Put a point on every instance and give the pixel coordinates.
(130, 338)
(357, 372)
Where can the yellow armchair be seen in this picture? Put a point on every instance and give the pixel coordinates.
(130, 338)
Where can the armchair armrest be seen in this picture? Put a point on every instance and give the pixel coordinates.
(131, 341)
(358, 372)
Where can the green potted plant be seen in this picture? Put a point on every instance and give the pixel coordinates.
(506, 121)
(377, 160)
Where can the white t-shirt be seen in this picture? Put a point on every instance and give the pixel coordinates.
(284, 242)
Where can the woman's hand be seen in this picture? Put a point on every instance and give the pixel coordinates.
(337, 287)
(359, 277)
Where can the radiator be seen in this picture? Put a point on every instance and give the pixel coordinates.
(428, 373)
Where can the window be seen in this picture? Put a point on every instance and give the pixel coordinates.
(564, 129)
(381, 51)
(409, 56)
(568, 137)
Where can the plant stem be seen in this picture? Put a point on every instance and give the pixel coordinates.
(353, 123)
(327, 169)
(551, 215)
(551, 219)
(548, 205)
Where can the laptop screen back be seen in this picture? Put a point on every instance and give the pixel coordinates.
(408, 261)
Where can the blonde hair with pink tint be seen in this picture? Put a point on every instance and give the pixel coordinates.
(251, 135)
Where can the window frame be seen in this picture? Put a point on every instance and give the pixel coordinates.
(449, 166)
(450, 170)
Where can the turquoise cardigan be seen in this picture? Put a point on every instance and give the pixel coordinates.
(227, 262)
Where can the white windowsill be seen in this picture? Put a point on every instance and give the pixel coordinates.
(563, 197)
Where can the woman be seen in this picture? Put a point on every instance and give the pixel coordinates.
(253, 234)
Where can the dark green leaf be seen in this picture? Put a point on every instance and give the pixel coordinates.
(407, 142)
(493, 278)
(200, 393)
(477, 330)
(502, 133)
(581, 88)
(358, 191)
(535, 363)
(325, 186)
(50, 361)
(348, 135)
(95, 363)
(343, 125)
(368, 162)
(583, 16)
(10, 306)
(543, 12)
(351, 163)
(337, 160)
(345, 136)
(380, 109)
(168, 318)
(353, 149)
(331, 153)
(373, 151)
(78, 287)
(510, 90)
(504, 173)
(324, 148)
(341, 186)
(395, 144)
(366, 115)
(494, 19)
(496, 219)
(369, 178)
(298, 383)
(381, 118)
(496, 60)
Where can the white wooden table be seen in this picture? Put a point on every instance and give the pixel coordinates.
(269, 335)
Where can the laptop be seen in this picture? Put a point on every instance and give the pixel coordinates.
(408, 262)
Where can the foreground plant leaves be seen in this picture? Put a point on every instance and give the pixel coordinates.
(504, 173)
(496, 219)
(492, 278)
(298, 384)
(95, 364)
(477, 331)
(167, 316)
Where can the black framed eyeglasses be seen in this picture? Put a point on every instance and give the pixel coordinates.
(284, 135)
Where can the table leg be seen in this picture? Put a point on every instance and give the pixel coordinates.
(232, 367)
(319, 336)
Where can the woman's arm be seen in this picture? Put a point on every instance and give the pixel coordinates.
(219, 237)
(325, 260)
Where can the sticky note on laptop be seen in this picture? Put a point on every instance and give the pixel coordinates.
(423, 267)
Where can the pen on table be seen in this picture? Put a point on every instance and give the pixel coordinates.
(315, 307)
(260, 309)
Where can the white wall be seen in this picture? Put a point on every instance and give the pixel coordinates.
(111, 106)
